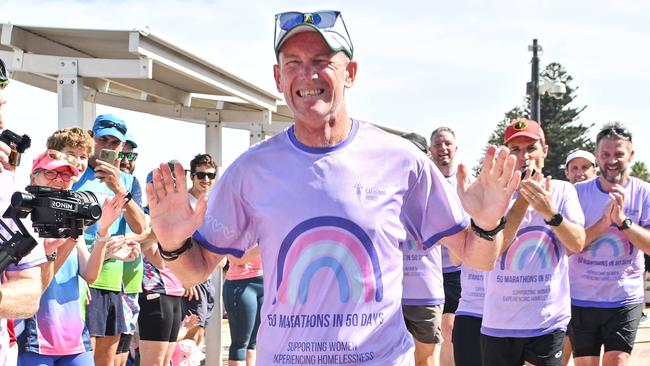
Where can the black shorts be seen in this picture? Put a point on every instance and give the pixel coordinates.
(201, 307)
(451, 283)
(160, 317)
(423, 322)
(125, 343)
(104, 313)
(614, 328)
(466, 339)
(544, 350)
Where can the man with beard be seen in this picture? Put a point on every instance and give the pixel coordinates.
(443, 151)
(607, 276)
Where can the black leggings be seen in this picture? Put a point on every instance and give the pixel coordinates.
(243, 301)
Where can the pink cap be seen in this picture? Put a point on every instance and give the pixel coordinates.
(52, 160)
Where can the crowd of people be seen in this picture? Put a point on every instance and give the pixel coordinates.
(377, 250)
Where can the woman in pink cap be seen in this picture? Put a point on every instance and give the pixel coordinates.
(56, 334)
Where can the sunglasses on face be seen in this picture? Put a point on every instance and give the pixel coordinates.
(202, 175)
(65, 176)
(130, 156)
(614, 131)
(110, 124)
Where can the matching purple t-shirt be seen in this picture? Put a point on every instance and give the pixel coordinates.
(472, 294)
(608, 273)
(527, 292)
(328, 222)
(422, 283)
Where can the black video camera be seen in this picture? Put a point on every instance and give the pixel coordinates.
(17, 143)
(56, 213)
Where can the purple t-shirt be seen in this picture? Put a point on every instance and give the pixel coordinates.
(447, 265)
(422, 283)
(328, 222)
(36, 257)
(472, 293)
(608, 273)
(527, 292)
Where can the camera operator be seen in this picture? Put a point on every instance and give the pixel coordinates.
(56, 334)
(21, 290)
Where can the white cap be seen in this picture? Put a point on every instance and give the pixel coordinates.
(581, 154)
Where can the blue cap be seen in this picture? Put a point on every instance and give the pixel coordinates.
(129, 139)
(109, 125)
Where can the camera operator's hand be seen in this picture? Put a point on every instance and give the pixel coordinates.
(5, 151)
(172, 217)
(51, 245)
(111, 211)
(110, 175)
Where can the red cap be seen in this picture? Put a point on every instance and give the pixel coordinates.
(524, 127)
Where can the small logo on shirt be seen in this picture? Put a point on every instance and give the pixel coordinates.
(369, 193)
(559, 354)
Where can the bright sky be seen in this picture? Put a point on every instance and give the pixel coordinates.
(422, 64)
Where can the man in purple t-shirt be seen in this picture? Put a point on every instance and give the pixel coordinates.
(20, 294)
(607, 276)
(329, 200)
(527, 306)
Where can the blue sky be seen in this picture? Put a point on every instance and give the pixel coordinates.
(422, 64)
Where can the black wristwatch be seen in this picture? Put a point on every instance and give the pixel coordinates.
(626, 224)
(174, 254)
(556, 220)
(488, 235)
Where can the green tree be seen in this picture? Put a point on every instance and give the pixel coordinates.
(564, 133)
(640, 170)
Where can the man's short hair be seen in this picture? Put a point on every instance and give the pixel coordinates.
(72, 137)
(202, 159)
(442, 129)
(615, 130)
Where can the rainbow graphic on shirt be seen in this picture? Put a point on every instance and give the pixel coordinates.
(535, 247)
(611, 244)
(411, 244)
(328, 247)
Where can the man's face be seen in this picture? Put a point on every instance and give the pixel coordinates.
(203, 185)
(312, 77)
(529, 152)
(106, 142)
(579, 169)
(3, 100)
(614, 155)
(126, 165)
(443, 148)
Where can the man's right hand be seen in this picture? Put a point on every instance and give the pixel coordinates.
(5, 151)
(172, 218)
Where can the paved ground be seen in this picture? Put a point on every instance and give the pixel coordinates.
(640, 355)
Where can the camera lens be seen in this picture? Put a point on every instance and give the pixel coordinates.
(22, 201)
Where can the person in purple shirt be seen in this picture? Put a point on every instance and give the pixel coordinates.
(423, 295)
(329, 200)
(607, 276)
(443, 152)
(527, 306)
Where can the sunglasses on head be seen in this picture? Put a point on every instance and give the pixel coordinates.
(202, 175)
(614, 131)
(57, 155)
(326, 20)
(110, 124)
(130, 156)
